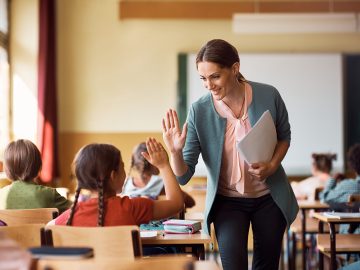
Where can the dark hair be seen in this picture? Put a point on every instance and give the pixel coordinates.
(354, 157)
(220, 52)
(92, 166)
(323, 162)
(22, 160)
(138, 162)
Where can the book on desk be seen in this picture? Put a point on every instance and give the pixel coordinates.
(182, 226)
(342, 215)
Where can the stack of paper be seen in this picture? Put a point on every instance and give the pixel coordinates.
(259, 144)
(181, 226)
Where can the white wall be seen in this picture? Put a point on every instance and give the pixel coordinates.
(121, 75)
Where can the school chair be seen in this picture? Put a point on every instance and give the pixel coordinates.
(28, 216)
(353, 198)
(27, 235)
(122, 242)
(4, 182)
(317, 192)
(172, 262)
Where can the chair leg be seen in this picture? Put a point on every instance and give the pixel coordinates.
(294, 251)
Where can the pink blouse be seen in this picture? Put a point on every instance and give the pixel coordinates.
(235, 181)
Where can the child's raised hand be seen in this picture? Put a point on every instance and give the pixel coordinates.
(156, 153)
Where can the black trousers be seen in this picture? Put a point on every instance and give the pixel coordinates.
(232, 218)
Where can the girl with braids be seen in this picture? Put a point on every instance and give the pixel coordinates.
(100, 169)
(321, 169)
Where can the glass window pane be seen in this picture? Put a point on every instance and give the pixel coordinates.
(3, 16)
(4, 100)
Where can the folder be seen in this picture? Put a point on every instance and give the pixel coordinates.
(181, 226)
(259, 143)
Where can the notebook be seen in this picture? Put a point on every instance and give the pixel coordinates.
(181, 226)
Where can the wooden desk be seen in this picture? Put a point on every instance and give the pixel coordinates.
(341, 243)
(304, 206)
(158, 263)
(196, 241)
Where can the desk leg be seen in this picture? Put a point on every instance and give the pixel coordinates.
(288, 251)
(332, 246)
(199, 251)
(321, 256)
(303, 240)
(294, 251)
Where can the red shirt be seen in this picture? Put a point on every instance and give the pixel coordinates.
(118, 211)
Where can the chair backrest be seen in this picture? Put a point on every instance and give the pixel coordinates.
(354, 202)
(27, 235)
(28, 216)
(175, 262)
(317, 193)
(114, 241)
(354, 198)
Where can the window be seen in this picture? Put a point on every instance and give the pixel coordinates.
(4, 76)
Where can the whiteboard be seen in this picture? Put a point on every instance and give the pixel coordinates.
(311, 86)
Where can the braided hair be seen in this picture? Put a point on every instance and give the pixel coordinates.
(92, 166)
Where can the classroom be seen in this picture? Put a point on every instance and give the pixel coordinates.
(117, 66)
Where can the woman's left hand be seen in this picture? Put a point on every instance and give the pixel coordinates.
(261, 170)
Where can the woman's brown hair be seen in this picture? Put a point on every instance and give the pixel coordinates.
(220, 52)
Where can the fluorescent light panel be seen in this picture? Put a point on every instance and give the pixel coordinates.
(254, 23)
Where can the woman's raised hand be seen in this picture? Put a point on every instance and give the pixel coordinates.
(173, 137)
(156, 154)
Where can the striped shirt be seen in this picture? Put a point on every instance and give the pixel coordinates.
(339, 193)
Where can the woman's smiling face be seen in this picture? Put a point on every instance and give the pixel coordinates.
(220, 81)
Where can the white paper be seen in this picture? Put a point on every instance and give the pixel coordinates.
(148, 234)
(259, 144)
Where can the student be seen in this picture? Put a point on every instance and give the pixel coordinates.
(238, 194)
(100, 169)
(143, 179)
(338, 192)
(22, 163)
(321, 168)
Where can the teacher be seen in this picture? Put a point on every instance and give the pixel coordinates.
(238, 194)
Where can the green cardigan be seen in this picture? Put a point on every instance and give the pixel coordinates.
(206, 131)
